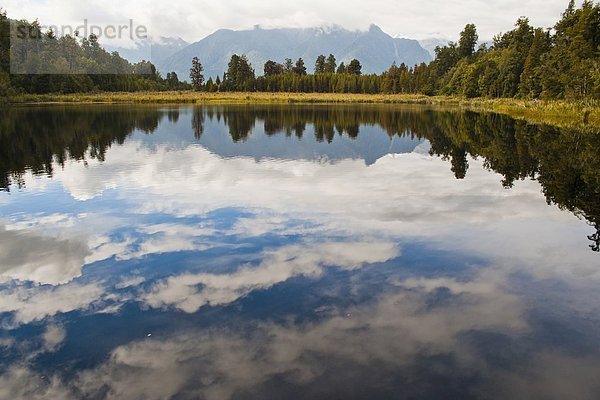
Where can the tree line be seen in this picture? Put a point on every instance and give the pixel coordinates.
(42, 62)
(39, 140)
(289, 76)
(527, 62)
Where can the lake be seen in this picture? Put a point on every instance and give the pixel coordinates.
(296, 252)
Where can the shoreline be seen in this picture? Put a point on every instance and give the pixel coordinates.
(574, 114)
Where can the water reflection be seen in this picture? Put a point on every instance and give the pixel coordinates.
(297, 252)
(564, 161)
(37, 139)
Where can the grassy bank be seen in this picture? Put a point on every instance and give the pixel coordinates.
(560, 113)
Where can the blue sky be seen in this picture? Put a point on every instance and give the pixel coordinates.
(193, 19)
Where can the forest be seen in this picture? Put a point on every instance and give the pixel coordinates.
(562, 62)
(45, 63)
(526, 62)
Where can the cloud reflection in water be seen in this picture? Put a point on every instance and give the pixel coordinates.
(296, 277)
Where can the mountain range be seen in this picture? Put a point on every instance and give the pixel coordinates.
(375, 49)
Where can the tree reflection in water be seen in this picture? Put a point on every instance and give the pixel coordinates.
(564, 160)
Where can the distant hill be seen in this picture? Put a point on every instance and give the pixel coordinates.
(375, 49)
(151, 50)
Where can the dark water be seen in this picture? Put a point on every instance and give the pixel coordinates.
(297, 253)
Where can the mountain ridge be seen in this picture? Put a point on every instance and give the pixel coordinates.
(374, 48)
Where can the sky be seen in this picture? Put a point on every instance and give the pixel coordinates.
(192, 19)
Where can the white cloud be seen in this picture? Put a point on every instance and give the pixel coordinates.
(346, 188)
(53, 249)
(265, 222)
(152, 239)
(412, 196)
(54, 337)
(193, 20)
(36, 303)
(46, 223)
(104, 247)
(189, 292)
(130, 282)
(28, 256)
(21, 383)
(394, 331)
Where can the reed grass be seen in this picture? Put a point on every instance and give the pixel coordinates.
(585, 114)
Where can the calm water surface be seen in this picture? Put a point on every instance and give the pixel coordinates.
(296, 252)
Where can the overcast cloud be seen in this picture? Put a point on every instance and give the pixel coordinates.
(193, 19)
